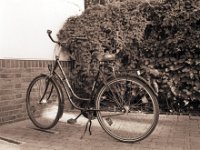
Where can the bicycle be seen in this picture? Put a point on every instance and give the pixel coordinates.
(125, 106)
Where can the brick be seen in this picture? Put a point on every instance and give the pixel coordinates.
(20, 101)
(18, 75)
(28, 70)
(19, 106)
(6, 97)
(26, 80)
(14, 81)
(40, 64)
(4, 114)
(34, 64)
(25, 64)
(8, 118)
(18, 96)
(12, 106)
(21, 64)
(6, 70)
(99, 138)
(6, 75)
(5, 63)
(14, 112)
(17, 86)
(14, 64)
(4, 103)
(6, 85)
(5, 92)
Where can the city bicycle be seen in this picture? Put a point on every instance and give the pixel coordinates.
(125, 106)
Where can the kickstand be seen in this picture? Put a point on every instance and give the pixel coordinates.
(89, 123)
(73, 121)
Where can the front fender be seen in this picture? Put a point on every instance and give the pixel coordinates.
(59, 87)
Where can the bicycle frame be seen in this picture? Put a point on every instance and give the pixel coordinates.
(68, 88)
(66, 84)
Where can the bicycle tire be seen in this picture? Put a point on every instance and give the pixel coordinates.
(129, 110)
(44, 102)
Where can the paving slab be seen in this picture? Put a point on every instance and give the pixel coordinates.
(172, 133)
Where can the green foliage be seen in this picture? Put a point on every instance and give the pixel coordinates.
(162, 39)
(172, 40)
(117, 26)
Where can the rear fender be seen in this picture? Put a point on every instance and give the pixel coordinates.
(146, 82)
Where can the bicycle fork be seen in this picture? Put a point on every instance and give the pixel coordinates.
(44, 93)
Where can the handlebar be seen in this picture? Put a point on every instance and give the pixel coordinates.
(49, 34)
(62, 44)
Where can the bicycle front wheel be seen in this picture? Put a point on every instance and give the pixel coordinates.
(43, 102)
(129, 109)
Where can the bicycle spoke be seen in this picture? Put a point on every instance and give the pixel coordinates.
(43, 102)
(138, 115)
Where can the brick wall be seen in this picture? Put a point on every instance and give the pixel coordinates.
(15, 76)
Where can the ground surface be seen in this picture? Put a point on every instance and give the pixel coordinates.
(172, 133)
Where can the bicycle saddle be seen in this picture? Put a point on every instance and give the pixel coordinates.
(107, 57)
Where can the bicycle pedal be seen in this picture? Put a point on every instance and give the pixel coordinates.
(71, 121)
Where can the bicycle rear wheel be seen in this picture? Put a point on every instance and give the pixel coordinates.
(129, 109)
(43, 102)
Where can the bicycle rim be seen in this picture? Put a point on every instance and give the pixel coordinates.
(43, 102)
(129, 109)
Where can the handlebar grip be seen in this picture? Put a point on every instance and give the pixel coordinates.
(49, 31)
(49, 34)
